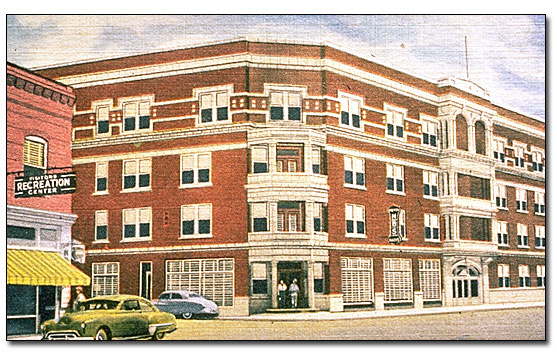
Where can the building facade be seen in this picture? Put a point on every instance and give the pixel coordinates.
(225, 168)
(39, 210)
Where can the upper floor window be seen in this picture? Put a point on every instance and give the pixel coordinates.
(196, 169)
(137, 223)
(429, 133)
(101, 177)
(320, 217)
(318, 160)
(537, 161)
(501, 196)
(34, 156)
(354, 171)
(259, 217)
(539, 203)
(540, 237)
(355, 220)
(431, 180)
(395, 123)
(101, 225)
(350, 111)
(503, 273)
(290, 158)
(214, 106)
(290, 216)
(431, 227)
(461, 133)
(502, 233)
(137, 174)
(286, 105)
(103, 119)
(260, 159)
(196, 220)
(395, 178)
(499, 150)
(521, 200)
(522, 235)
(480, 136)
(136, 115)
(519, 156)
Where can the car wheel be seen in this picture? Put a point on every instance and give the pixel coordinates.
(187, 315)
(102, 335)
(158, 336)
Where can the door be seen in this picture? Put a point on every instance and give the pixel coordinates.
(146, 280)
(288, 271)
(466, 285)
(47, 302)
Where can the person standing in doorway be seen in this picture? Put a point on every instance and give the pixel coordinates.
(294, 291)
(282, 294)
(79, 296)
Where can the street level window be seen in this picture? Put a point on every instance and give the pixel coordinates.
(357, 280)
(195, 169)
(502, 233)
(540, 275)
(137, 223)
(137, 174)
(34, 156)
(214, 107)
(105, 279)
(318, 278)
(103, 119)
(431, 227)
(136, 115)
(521, 200)
(397, 280)
(430, 279)
(101, 177)
(539, 203)
(395, 178)
(286, 105)
(196, 220)
(354, 171)
(503, 274)
(259, 278)
(355, 221)
(540, 237)
(431, 184)
(101, 225)
(350, 111)
(523, 276)
(522, 235)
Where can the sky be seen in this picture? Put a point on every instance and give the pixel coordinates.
(506, 54)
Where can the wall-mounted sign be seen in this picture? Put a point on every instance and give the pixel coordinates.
(44, 185)
(395, 236)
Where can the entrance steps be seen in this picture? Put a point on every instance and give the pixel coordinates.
(291, 310)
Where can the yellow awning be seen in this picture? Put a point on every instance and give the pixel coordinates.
(40, 268)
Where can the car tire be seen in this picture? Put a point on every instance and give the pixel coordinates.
(187, 315)
(102, 335)
(158, 336)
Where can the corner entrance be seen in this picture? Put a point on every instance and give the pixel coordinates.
(288, 271)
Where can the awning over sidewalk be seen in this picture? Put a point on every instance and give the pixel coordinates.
(40, 268)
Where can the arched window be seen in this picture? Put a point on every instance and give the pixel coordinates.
(480, 138)
(465, 282)
(461, 133)
(34, 156)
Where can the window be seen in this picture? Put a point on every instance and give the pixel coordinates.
(357, 280)
(21, 233)
(137, 174)
(540, 237)
(523, 276)
(429, 133)
(136, 115)
(465, 282)
(101, 225)
(350, 112)
(479, 129)
(354, 171)
(259, 217)
(318, 278)
(196, 220)
(260, 159)
(519, 157)
(214, 106)
(540, 275)
(503, 273)
(539, 203)
(499, 150)
(474, 187)
(537, 161)
(521, 200)
(320, 217)
(211, 278)
(502, 233)
(402, 224)
(431, 184)
(395, 178)
(137, 223)
(101, 176)
(355, 220)
(395, 123)
(196, 169)
(290, 216)
(318, 160)
(501, 196)
(259, 278)
(430, 279)
(431, 227)
(105, 280)
(290, 158)
(522, 235)
(103, 119)
(397, 280)
(286, 105)
(34, 156)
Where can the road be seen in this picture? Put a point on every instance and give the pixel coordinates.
(509, 324)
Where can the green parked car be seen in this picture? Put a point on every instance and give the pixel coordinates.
(111, 317)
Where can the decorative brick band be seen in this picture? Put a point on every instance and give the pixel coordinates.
(39, 90)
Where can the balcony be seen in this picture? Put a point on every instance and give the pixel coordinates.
(287, 186)
(467, 203)
(470, 246)
(287, 238)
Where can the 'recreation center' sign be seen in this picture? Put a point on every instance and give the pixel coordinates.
(44, 185)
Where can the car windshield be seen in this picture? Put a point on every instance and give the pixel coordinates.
(96, 305)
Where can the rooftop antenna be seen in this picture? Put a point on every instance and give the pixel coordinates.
(466, 53)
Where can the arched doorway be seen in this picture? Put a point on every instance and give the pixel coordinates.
(466, 284)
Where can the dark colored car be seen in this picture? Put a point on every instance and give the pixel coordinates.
(186, 304)
(111, 317)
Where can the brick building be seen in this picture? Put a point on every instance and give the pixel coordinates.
(39, 214)
(224, 168)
